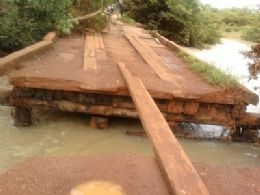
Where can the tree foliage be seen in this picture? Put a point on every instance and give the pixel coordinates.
(241, 20)
(184, 21)
(254, 64)
(252, 33)
(24, 21)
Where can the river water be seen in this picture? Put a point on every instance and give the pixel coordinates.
(228, 57)
(68, 134)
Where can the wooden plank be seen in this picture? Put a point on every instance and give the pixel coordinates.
(70, 106)
(100, 49)
(153, 60)
(99, 42)
(96, 39)
(158, 66)
(10, 62)
(51, 36)
(177, 169)
(90, 61)
(250, 120)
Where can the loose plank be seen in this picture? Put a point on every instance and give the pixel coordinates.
(158, 66)
(177, 169)
(90, 61)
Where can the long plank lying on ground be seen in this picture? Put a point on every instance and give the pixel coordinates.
(177, 169)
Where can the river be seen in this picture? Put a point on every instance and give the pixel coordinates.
(68, 134)
(228, 57)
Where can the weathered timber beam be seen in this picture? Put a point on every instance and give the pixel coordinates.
(90, 60)
(204, 115)
(5, 98)
(51, 36)
(177, 169)
(11, 61)
(23, 116)
(69, 106)
(85, 17)
(159, 67)
(176, 111)
(250, 120)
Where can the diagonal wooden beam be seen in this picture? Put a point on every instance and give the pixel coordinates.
(178, 171)
(158, 66)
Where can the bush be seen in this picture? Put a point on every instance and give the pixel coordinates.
(252, 34)
(24, 22)
(181, 21)
(228, 29)
(125, 18)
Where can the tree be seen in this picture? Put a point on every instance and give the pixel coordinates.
(253, 33)
(23, 22)
(183, 21)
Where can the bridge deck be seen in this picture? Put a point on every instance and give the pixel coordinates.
(62, 68)
(80, 74)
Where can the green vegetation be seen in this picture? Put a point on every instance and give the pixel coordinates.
(126, 19)
(209, 72)
(189, 23)
(237, 21)
(183, 21)
(252, 34)
(23, 22)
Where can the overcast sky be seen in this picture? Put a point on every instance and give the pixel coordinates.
(231, 3)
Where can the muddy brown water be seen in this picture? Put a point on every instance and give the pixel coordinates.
(68, 134)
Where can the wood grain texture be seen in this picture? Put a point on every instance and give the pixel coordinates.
(90, 61)
(177, 169)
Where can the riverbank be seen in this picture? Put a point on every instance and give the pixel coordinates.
(135, 174)
(236, 36)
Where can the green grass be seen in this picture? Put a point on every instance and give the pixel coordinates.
(209, 72)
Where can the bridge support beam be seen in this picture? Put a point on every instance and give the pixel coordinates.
(23, 116)
(99, 122)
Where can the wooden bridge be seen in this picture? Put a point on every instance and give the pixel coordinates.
(116, 75)
(80, 74)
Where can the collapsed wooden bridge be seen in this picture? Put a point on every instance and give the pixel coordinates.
(78, 76)
(93, 74)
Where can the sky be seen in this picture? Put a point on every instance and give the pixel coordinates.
(231, 3)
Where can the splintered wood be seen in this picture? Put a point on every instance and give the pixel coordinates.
(176, 167)
(92, 44)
